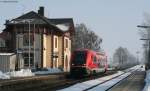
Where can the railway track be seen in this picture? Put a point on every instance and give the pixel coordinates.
(135, 82)
(111, 83)
(101, 84)
(108, 85)
(43, 83)
(80, 80)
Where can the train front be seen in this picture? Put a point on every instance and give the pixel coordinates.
(78, 63)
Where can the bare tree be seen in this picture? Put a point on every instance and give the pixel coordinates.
(120, 56)
(85, 38)
(123, 58)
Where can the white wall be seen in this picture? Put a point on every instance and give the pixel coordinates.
(7, 62)
(67, 53)
(56, 50)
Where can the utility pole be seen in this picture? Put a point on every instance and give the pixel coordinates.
(137, 57)
(29, 45)
(34, 46)
(148, 39)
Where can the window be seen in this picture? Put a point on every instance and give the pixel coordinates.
(26, 39)
(94, 59)
(66, 41)
(79, 57)
(55, 42)
(102, 62)
(2, 43)
(26, 59)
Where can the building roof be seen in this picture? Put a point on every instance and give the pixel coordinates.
(61, 20)
(29, 15)
(36, 18)
(34, 15)
(62, 23)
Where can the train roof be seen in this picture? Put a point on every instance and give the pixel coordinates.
(98, 53)
(84, 50)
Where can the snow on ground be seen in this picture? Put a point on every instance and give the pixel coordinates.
(28, 72)
(147, 81)
(105, 86)
(48, 71)
(142, 67)
(21, 73)
(87, 84)
(135, 68)
(4, 76)
(102, 87)
(108, 84)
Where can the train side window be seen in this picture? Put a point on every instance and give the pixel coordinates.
(103, 62)
(94, 59)
(99, 62)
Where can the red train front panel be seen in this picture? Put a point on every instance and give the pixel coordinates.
(87, 62)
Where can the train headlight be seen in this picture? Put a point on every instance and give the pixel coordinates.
(84, 64)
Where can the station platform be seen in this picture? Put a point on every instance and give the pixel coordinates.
(135, 82)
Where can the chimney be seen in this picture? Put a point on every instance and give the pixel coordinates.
(41, 11)
(7, 21)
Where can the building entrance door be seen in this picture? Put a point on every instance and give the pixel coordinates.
(55, 63)
(66, 63)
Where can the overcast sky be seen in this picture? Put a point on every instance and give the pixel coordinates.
(113, 20)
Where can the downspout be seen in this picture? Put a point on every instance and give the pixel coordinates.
(52, 49)
(63, 64)
(41, 33)
(34, 46)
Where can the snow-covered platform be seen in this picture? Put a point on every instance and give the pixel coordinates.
(107, 82)
(134, 82)
(27, 82)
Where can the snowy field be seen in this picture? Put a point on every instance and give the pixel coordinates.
(103, 83)
(27, 73)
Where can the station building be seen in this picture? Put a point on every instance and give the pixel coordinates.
(38, 41)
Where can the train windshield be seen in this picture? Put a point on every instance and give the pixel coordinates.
(79, 57)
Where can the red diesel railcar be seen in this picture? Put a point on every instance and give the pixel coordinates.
(88, 62)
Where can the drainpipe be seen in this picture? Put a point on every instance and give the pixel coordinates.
(52, 42)
(42, 48)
